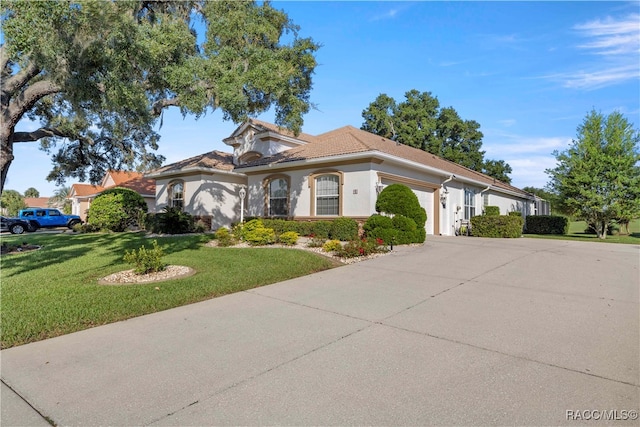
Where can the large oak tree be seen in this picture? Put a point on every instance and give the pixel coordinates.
(420, 122)
(96, 75)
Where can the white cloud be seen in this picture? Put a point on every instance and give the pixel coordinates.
(511, 144)
(507, 122)
(527, 156)
(389, 14)
(616, 42)
(600, 78)
(612, 37)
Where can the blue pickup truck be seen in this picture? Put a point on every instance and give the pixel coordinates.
(49, 218)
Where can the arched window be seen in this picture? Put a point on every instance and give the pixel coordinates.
(277, 196)
(326, 194)
(176, 194)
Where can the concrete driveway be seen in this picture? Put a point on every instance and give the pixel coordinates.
(460, 331)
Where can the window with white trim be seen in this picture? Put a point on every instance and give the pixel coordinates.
(469, 203)
(327, 189)
(278, 197)
(176, 195)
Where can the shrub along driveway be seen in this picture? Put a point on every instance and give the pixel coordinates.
(458, 331)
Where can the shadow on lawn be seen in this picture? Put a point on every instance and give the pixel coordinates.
(59, 248)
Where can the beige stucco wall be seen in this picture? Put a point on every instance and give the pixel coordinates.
(206, 194)
(358, 190)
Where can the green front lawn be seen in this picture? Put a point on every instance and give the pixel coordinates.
(576, 232)
(55, 291)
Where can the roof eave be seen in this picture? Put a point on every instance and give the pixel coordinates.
(185, 171)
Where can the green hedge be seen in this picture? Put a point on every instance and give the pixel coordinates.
(546, 224)
(492, 210)
(497, 226)
(340, 228)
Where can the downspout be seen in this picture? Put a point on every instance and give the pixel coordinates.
(443, 197)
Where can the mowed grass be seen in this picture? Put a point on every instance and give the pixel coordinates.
(55, 291)
(576, 232)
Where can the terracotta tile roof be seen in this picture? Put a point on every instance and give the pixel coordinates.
(119, 177)
(282, 131)
(349, 140)
(136, 182)
(36, 202)
(211, 160)
(83, 190)
(140, 185)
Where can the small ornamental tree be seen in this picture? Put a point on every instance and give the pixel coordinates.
(116, 209)
(598, 177)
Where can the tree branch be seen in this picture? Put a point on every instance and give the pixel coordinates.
(27, 99)
(17, 81)
(161, 104)
(47, 132)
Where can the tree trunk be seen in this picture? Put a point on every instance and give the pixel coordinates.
(6, 154)
(602, 229)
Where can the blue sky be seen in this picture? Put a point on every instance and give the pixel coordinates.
(528, 72)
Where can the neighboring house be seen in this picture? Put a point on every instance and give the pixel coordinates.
(338, 173)
(37, 202)
(82, 195)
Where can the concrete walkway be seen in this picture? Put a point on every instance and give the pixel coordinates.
(460, 331)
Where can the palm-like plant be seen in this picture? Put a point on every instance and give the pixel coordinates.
(60, 198)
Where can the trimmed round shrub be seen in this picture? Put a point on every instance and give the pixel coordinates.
(344, 229)
(288, 238)
(399, 199)
(116, 209)
(399, 230)
(260, 236)
(377, 221)
(407, 230)
(332, 246)
(389, 236)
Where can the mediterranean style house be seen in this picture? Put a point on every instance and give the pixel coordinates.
(337, 173)
(81, 195)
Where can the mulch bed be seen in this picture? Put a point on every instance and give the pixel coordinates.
(17, 249)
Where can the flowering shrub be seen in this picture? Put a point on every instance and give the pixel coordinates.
(332, 246)
(361, 247)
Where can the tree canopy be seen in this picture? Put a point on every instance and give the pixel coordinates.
(420, 122)
(96, 75)
(12, 201)
(598, 177)
(31, 192)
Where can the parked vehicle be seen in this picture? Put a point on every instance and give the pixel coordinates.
(17, 225)
(49, 218)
